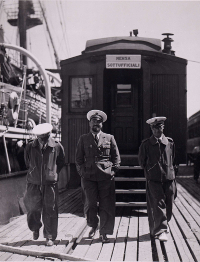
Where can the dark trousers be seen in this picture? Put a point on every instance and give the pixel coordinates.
(42, 201)
(104, 192)
(160, 199)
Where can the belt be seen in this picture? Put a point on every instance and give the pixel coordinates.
(99, 158)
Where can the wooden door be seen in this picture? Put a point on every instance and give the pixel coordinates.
(124, 114)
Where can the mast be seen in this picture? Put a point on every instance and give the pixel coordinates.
(22, 17)
(54, 49)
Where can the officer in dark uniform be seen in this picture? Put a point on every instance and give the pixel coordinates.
(97, 160)
(156, 156)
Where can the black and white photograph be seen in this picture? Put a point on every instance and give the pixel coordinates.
(99, 130)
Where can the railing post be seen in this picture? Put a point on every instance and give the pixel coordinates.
(6, 151)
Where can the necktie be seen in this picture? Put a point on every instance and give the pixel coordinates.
(43, 148)
(159, 141)
(96, 139)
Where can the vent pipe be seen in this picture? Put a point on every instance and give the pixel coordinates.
(167, 44)
(135, 32)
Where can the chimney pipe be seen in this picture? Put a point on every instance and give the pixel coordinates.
(135, 32)
(167, 44)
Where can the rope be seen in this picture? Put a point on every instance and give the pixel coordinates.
(5, 248)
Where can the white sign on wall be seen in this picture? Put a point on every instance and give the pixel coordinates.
(123, 61)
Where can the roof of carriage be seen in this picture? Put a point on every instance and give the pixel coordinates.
(131, 42)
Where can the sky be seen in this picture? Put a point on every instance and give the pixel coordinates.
(72, 23)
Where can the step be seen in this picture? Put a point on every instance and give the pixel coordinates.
(129, 160)
(130, 191)
(130, 167)
(131, 204)
(130, 179)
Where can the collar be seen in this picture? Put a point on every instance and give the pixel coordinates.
(51, 142)
(154, 140)
(98, 134)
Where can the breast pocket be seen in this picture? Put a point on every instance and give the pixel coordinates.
(52, 159)
(88, 148)
(106, 149)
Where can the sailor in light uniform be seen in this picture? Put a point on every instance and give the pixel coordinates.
(156, 157)
(97, 160)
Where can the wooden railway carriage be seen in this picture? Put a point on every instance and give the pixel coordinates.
(131, 79)
(193, 141)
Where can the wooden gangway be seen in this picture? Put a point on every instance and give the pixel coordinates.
(130, 241)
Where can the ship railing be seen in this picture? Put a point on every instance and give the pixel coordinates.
(23, 91)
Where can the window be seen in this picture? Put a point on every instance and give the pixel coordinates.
(81, 93)
(124, 95)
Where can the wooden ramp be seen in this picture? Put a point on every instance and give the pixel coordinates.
(130, 241)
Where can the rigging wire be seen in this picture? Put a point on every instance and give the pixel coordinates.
(60, 20)
(198, 62)
(47, 39)
(68, 45)
(1, 9)
(57, 60)
(65, 31)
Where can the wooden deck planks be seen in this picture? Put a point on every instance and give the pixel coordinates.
(191, 217)
(185, 178)
(182, 247)
(120, 244)
(16, 238)
(132, 239)
(71, 224)
(170, 248)
(192, 202)
(82, 247)
(107, 249)
(23, 232)
(185, 228)
(95, 248)
(145, 251)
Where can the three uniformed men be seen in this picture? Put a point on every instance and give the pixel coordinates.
(156, 157)
(97, 160)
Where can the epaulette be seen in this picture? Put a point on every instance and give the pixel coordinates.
(144, 140)
(170, 139)
(30, 140)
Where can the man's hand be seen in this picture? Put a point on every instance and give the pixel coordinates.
(112, 174)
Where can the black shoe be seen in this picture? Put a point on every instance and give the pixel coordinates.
(104, 238)
(36, 234)
(92, 232)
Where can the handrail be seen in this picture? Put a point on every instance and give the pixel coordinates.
(13, 174)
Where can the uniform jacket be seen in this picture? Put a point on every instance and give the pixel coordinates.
(97, 162)
(157, 159)
(43, 168)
